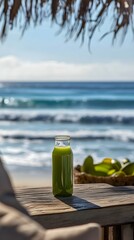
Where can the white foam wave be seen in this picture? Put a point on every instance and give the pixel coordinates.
(81, 116)
(28, 158)
(115, 134)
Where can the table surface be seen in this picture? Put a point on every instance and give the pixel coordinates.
(100, 203)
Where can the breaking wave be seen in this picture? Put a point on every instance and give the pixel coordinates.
(66, 117)
(121, 135)
(65, 103)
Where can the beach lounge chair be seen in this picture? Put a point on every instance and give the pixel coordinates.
(16, 223)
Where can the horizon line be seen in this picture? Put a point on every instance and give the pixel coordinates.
(66, 81)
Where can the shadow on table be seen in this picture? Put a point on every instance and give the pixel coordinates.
(78, 203)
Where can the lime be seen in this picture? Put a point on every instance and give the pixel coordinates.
(107, 160)
(113, 162)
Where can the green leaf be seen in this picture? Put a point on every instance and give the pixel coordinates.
(116, 164)
(128, 169)
(111, 172)
(104, 166)
(88, 165)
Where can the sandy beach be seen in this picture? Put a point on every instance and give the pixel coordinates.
(22, 176)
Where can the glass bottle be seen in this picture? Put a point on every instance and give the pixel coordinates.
(62, 167)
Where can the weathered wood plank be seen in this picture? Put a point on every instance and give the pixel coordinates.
(100, 203)
(117, 235)
(127, 232)
(110, 234)
(105, 217)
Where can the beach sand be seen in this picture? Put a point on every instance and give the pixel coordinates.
(23, 176)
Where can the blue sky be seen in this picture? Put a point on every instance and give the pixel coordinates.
(43, 55)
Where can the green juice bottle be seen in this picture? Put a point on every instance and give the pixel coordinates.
(62, 167)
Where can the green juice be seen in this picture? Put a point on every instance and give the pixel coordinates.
(62, 171)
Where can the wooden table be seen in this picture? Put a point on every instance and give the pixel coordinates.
(112, 207)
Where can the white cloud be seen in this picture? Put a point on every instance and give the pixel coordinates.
(13, 68)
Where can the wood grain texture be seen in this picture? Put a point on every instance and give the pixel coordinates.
(101, 203)
(127, 232)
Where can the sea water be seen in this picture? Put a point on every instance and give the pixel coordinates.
(98, 116)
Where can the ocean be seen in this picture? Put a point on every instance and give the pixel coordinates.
(99, 117)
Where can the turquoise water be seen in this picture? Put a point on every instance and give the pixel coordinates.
(99, 117)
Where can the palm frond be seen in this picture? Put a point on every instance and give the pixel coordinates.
(80, 18)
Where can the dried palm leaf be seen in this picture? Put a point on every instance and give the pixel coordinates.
(80, 18)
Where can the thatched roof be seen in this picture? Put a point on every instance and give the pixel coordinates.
(79, 18)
